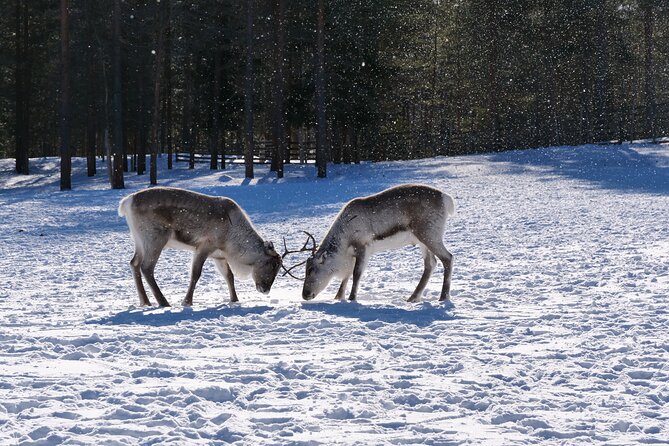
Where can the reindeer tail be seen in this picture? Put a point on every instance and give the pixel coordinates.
(124, 206)
(449, 205)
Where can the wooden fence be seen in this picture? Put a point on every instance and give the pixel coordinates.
(304, 152)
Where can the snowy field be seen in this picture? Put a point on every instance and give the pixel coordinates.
(559, 333)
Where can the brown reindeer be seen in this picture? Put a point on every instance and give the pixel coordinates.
(209, 226)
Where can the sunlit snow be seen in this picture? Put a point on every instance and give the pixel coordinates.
(559, 333)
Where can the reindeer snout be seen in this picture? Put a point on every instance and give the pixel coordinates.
(262, 289)
(307, 295)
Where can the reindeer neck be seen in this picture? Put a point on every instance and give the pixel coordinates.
(246, 239)
(335, 240)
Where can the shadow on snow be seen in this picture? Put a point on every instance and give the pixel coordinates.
(170, 316)
(421, 315)
(613, 167)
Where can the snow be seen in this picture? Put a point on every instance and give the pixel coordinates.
(559, 333)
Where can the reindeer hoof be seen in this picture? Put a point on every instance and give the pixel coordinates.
(413, 299)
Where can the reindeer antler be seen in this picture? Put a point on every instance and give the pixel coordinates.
(302, 249)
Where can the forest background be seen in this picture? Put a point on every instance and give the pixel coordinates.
(324, 80)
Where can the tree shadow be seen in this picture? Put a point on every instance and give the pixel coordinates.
(420, 315)
(642, 168)
(169, 316)
(267, 202)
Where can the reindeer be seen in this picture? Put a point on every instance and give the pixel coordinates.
(211, 227)
(404, 215)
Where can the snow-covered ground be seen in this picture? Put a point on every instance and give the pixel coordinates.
(559, 334)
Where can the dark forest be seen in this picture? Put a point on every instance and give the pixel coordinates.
(324, 80)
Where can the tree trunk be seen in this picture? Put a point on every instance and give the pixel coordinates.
(65, 155)
(168, 88)
(337, 142)
(347, 155)
(128, 155)
(163, 112)
(321, 135)
(433, 140)
(356, 148)
(301, 150)
(158, 71)
(223, 148)
(248, 92)
(601, 70)
(279, 127)
(649, 72)
(21, 147)
(91, 140)
(116, 176)
(215, 112)
(108, 152)
(140, 147)
(187, 130)
(93, 86)
(493, 85)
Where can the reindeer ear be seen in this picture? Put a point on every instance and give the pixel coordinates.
(321, 258)
(269, 246)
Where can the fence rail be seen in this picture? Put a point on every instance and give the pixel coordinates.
(304, 153)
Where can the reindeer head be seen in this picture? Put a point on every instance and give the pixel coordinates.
(319, 272)
(266, 268)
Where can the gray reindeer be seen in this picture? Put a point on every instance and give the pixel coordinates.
(404, 215)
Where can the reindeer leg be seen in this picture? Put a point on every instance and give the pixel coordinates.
(342, 289)
(360, 263)
(148, 267)
(224, 268)
(155, 241)
(430, 262)
(137, 275)
(447, 260)
(436, 246)
(196, 271)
